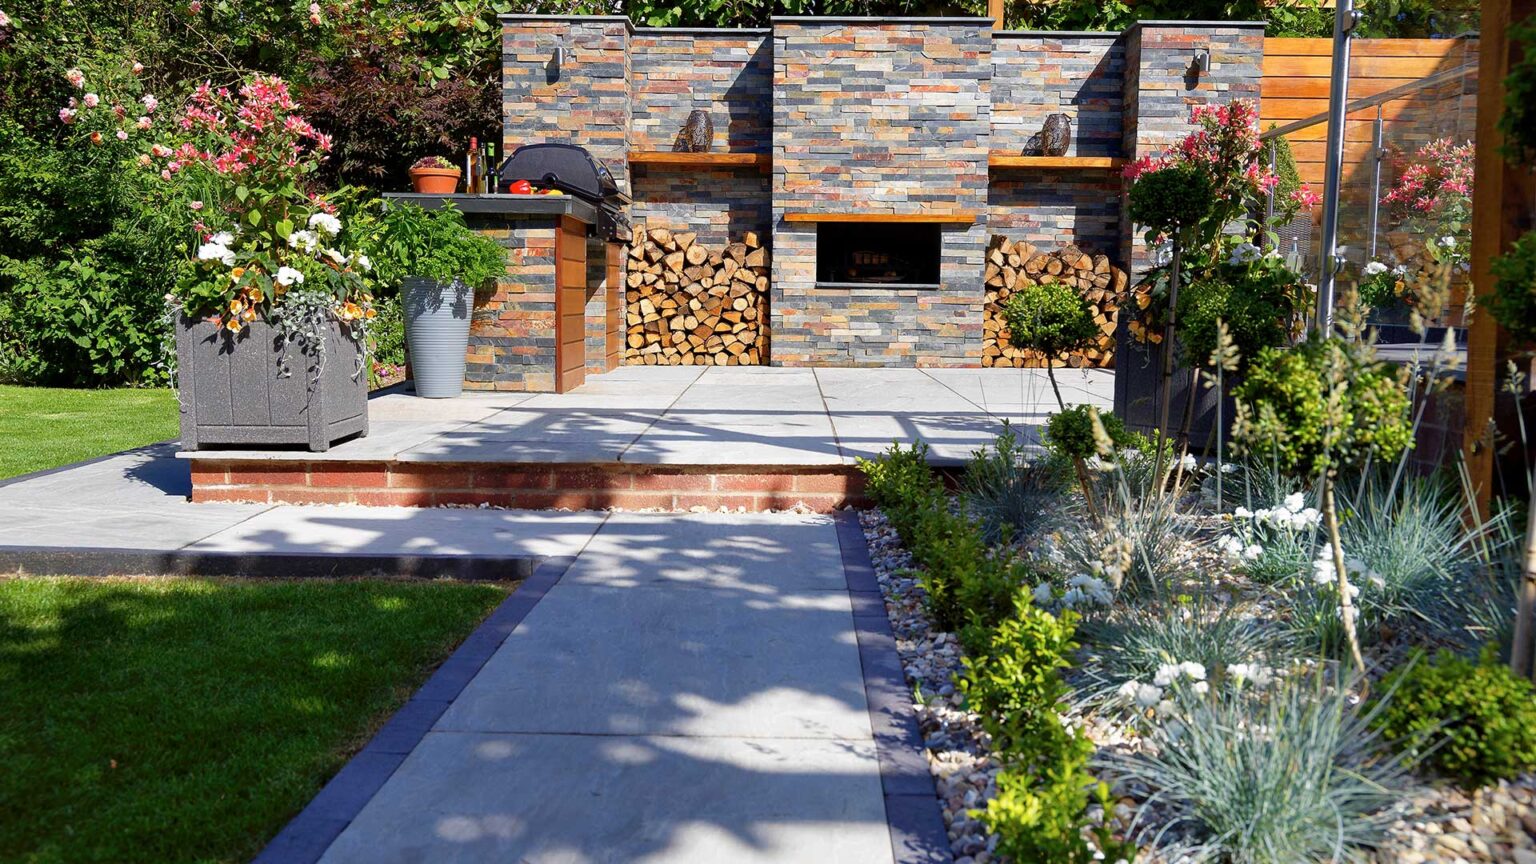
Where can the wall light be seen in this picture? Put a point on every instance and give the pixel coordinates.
(1202, 61)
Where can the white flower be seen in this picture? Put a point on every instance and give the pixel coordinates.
(1128, 689)
(1242, 513)
(1144, 695)
(5, 20)
(1295, 501)
(1192, 670)
(1201, 688)
(1188, 463)
(1166, 674)
(305, 240)
(1253, 552)
(1228, 468)
(215, 251)
(289, 276)
(223, 238)
(1044, 595)
(1244, 253)
(1447, 241)
(363, 263)
(325, 223)
(1400, 270)
(1375, 268)
(1259, 676)
(1166, 708)
(334, 255)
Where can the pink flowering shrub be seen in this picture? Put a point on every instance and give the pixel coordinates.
(112, 104)
(267, 245)
(1433, 197)
(1226, 154)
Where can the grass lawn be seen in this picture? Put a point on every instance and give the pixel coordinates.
(168, 720)
(45, 427)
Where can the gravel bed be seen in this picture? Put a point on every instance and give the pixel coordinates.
(1440, 824)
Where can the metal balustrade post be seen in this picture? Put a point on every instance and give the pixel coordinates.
(1378, 145)
(1345, 20)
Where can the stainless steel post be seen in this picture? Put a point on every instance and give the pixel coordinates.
(1378, 144)
(1344, 20)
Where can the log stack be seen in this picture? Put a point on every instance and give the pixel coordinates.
(1013, 264)
(690, 305)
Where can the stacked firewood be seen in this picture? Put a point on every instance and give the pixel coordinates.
(689, 305)
(1011, 265)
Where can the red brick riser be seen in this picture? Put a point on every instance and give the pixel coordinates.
(530, 486)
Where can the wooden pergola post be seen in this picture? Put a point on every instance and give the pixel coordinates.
(1500, 196)
(995, 12)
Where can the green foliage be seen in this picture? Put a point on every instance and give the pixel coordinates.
(1513, 302)
(1279, 149)
(1051, 318)
(1321, 405)
(1172, 198)
(1476, 722)
(1518, 124)
(409, 240)
(1295, 776)
(1015, 684)
(1070, 433)
(1137, 640)
(1261, 301)
(903, 486)
(388, 331)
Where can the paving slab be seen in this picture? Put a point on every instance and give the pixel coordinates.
(356, 530)
(580, 799)
(673, 660)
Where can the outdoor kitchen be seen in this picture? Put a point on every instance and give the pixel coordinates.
(827, 191)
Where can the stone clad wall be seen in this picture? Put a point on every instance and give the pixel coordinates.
(880, 117)
(512, 332)
(1080, 75)
(728, 73)
(587, 102)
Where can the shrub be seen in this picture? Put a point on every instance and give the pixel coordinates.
(1518, 122)
(1015, 685)
(1298, 775)
(1007, 494)
(1051, 318)
(1513, 302)
(1171, 197)
(903, 486)
(1474, 721)
(1070, 433)
(1320, 405)
(1257, 296)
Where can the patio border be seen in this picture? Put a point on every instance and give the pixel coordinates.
(306, 837)
(912, 811)
(74, 561)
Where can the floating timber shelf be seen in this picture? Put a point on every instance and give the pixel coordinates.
(669, 159)
(911, 218)
(1096, 163)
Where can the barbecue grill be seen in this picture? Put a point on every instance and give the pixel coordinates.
(572, 170)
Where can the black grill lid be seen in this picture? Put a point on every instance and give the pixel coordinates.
(561, 166)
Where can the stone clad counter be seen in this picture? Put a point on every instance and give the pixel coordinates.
(555, 316)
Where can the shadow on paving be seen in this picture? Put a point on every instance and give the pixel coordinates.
(690, 691)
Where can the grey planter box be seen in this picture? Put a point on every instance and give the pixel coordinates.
(1139, 390)
(233, 391)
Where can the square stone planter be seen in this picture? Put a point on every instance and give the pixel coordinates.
(234, 392)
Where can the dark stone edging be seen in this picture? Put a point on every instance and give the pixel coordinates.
(71, 561)
(306, 837)
(912, 810)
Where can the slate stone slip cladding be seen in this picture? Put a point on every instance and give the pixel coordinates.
(1038, 74)
(880, 117)
(728, 73)
(512, 331)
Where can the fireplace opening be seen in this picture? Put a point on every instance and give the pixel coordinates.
(877, 254)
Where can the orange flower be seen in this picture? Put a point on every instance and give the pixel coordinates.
(255, 294)
(235, 306)
(236, 273)
(369, 313)
(249, 314)
(350, 311)
(232, 325)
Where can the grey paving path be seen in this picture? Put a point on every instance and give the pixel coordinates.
(690, 691)
(138, 501)
(720, 415)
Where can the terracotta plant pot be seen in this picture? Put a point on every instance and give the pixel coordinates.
(435, 181)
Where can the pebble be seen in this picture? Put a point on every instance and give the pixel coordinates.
(1441, 825)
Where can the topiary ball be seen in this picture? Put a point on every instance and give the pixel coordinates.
(1051, 318)
(1172, 197)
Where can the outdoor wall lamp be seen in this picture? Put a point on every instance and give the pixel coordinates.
(1202, 61)
(556, 60)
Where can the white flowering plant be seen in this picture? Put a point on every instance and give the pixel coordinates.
(268, 246)
(1273, 544)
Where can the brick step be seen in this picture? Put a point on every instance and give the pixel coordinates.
(534, 486)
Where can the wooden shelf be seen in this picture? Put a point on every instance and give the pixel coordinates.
(910, 218)
(669, 159)
(1055, 163)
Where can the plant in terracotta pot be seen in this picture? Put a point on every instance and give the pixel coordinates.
(434, 175)
(437, 261)
(272, 335)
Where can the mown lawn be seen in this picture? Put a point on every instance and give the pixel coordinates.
(170, 720)
(45, 427)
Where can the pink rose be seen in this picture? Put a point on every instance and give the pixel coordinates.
(91, 100)
(144, 160)
(196, 205)
(150, 103)
(138, 68)
(165, 175)
(121, 135)
(66, 116)
(143, 123)
(75, 77)
(194, 7)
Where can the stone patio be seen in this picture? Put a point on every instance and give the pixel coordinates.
(754, 438)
